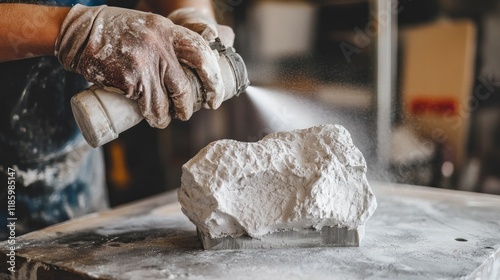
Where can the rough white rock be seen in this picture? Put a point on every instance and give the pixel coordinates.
(306, 178)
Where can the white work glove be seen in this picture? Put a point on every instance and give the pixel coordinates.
(203, 25)
(140, 54)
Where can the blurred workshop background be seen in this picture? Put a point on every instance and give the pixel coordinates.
(415, 82)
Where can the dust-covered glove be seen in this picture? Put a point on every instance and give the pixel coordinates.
(140, 54)
(203, 25)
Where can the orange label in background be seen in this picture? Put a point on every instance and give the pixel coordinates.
(435, 106)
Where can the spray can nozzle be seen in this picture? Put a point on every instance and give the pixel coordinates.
(237, 64)
(102, 114)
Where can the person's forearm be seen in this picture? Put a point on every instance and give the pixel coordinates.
(28, 30)
(166, 7)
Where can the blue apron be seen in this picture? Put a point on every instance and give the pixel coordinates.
(57, 175)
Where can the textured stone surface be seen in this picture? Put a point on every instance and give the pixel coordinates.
(412, 235)
(299, 179)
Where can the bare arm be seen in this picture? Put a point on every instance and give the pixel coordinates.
(28, 30)
(166, 7)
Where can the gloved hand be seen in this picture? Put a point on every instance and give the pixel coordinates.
(140, 54)
(203, 25)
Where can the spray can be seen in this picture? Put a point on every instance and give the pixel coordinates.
(103, 113)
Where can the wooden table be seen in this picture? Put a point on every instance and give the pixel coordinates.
(416, 233)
